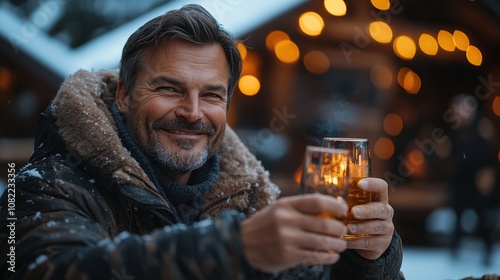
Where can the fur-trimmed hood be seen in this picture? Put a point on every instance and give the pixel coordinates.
(82, 115)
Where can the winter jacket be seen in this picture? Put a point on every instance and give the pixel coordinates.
(86, 209)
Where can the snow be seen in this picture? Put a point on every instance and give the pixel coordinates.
(40, 259)
(123, 235)
(37, 216)
(51, 223)
(33, 173)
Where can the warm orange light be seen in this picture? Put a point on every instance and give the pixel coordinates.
(381, 76)
(445, 40)
(428, 44)
(460, 40)
(335, 7)
(380, 31)
(417, 160)
(274, 38)
(412, 82)
(249, 85)
(383, 5)
(496, 105)
(402, 74)
(474, 55)
(243, 50)
(393, 124)
(316, 62)
(287, 51)
(409, 80)
(297, 175)
(405, 47)
(384, 148)
(311, 23)
(5, 78)
(251, 64)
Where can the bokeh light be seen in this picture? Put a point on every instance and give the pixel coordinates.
(393, 124)
(409, 80)
(460, 40)
(445, 40)
(274, 38)
(243, 50)
(474, 55)
(381, 76)
(311, 23)
(405, 47)
(383, 5)
(496, 105)
(249, 85)
(251, 64)
(380, 32)
(5, 78)
(428, 44)
(316, 62)
(335, 7)
(384, 148)
(287, 51)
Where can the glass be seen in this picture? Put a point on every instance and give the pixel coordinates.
(359, 167)
(325, 171)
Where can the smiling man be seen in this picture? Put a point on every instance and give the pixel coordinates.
(176, 111)
(136, 175)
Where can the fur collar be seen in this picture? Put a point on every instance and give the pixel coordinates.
(82, 112)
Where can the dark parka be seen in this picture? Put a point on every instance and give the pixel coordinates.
(86, 209)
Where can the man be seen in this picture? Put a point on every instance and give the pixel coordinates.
(139, 177)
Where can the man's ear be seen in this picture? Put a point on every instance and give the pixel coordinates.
(122, 97)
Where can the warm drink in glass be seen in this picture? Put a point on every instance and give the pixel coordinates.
(325, 171)
(359, 167)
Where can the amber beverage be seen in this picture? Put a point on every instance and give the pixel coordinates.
(325, 171)
(359, 167)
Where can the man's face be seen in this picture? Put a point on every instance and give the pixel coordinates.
(176, 110)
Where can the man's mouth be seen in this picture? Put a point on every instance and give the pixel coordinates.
(183, 132)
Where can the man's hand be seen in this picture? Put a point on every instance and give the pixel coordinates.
(377, 221)
(289, 232)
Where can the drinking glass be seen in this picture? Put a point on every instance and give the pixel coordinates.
(359, 167)
(325, 171)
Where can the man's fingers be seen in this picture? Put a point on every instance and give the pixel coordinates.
(314, 204)
(373, 210)
(326, 226)
(373, 227)
(322, 243)
(377, 186)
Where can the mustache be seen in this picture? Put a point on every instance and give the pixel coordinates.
(183, 124)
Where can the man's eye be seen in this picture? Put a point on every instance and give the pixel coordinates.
(169, 89)
(214, 95)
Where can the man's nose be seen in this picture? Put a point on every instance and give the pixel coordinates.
(189, 108)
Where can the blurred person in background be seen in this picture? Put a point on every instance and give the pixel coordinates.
(473, 181)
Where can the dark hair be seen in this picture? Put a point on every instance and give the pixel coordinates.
(191, 23)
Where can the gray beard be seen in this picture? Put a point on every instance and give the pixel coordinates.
(176, 161)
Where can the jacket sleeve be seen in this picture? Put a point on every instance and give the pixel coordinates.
(58, 237)
(353, 266)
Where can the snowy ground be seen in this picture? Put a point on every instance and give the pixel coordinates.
(438, 263)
